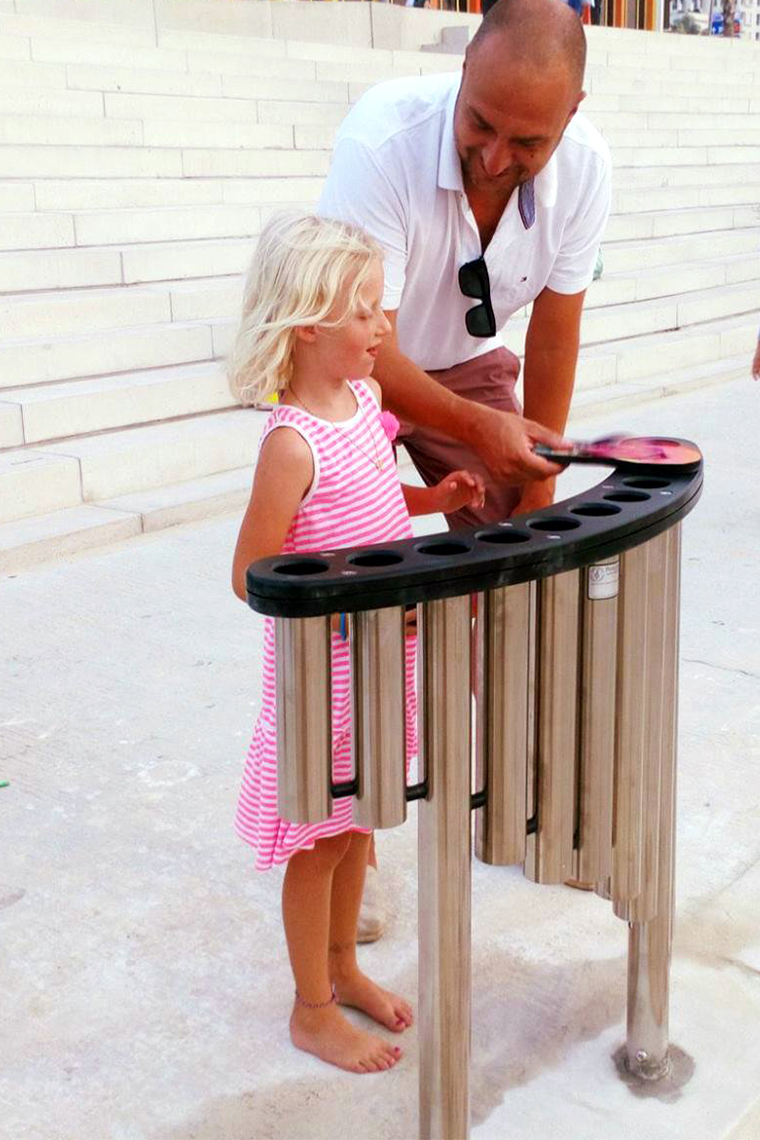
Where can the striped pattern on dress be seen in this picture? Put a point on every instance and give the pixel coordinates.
(350, 503)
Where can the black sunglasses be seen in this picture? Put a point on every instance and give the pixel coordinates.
(474, 282)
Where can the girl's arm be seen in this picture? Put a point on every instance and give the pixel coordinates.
(459, 489)
(284, 473)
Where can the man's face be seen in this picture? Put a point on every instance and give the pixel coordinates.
(509, 120)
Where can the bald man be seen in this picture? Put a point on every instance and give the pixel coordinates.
(487, 192)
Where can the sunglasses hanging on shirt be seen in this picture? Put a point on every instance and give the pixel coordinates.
(474, 282)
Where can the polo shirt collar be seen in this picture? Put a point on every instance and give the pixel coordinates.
(543, 186)
(449, 166)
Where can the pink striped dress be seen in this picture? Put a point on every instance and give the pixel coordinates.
(350, 503)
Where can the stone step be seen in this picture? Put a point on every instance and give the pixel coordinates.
(644, 200)
(609, 324)
(171, 133)
(621, 256)
(32, 483)
(59, 269)
(594, 401)
(683, 123)
(14, 47)
(668, 223)
(99, 353)
(241, 91)
(11, 426)
(99, 28)
(166, 260)
(53, 314)
(36, 231)
(666, 280)
(48, 49)
(93, 162)
(118, 227)
(79, 407)
(48, 269)
(16, 196)
(160, 162)
(654, 81)
(633, 359)
(15, 101)
(137, 459)
(674, 177)
(77, 194)
(251, 78)
(676, 105)
(26, 543)
(29, 73)
(290, 108)
(50, 130)
(631, 351)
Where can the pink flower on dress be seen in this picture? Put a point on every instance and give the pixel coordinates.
(390, 425)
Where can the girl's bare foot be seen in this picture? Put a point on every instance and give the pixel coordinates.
(357, 990)
(330, 1036)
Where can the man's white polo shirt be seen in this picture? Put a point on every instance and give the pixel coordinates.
(396, 172)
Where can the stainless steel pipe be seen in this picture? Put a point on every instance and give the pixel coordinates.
(501, 694)
(550, 849)
(598, 628)
(444, 871)
(378, 695)
(650, 937)
(304, 718)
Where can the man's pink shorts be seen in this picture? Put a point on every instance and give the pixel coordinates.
(489, 379)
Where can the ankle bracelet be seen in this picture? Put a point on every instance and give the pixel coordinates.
(316, 1004)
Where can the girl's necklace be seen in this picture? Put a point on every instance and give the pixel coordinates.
(378, 461)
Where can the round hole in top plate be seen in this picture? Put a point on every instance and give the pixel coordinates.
(377, 558)
(503, 536)
(594, 510)
(302, 566)
(646, 481)
(558, 522)
(445, 548)
(627, 497)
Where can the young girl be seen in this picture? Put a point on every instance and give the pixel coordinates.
(326, 477)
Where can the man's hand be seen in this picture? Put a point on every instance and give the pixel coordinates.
(505, 443)
(535, 496)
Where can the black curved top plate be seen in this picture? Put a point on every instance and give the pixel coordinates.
(624, 510)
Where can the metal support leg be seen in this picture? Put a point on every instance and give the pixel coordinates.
(444, 873)
(649, 942)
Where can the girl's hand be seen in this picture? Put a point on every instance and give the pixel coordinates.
(459, 489)
(756, 363)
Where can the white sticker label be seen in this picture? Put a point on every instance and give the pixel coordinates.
(603, 580)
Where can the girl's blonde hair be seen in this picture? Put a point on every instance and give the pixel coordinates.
(300, 266)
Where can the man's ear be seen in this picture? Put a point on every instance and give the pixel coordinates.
(574, 109)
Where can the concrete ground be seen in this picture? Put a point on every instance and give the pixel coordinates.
(145, 988)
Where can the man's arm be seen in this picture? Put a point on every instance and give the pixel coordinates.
(503, 441)
(551, 355)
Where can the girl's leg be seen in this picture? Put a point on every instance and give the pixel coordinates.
(352, 987)
(316, 1023)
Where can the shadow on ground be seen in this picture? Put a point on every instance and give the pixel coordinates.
(524, 1022)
